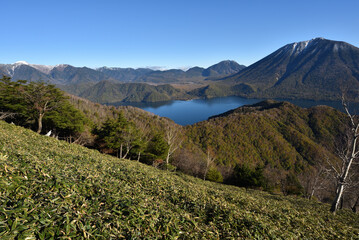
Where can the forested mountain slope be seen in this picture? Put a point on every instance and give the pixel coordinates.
(277, 138)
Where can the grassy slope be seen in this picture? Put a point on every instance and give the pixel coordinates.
(49, 188)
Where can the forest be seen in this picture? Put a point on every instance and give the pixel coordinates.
(272, 146)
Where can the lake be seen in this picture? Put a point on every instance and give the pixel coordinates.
(192, 111)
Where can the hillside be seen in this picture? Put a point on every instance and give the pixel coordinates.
(279, 138)
(314, 69)
(111, 92)
(52, 189)
(280, 146)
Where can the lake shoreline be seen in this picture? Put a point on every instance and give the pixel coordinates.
(188, 112)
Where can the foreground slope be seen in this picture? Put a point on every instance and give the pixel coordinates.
(51, 189)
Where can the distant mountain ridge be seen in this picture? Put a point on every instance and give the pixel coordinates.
(65, 74)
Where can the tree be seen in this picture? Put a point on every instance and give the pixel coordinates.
(157, 148)
(314, 180)
(348, 157)
(11, 102)
(29, 101)
(214, 175)
(67, 121)
(118, 135)
(209, 162)
(40, 99)
(245, 176)
(173, 139)
(111, 134)
(189, 159)
(131, 139)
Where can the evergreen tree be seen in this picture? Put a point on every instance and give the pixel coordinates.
(214, 175)
(11, 102)
(119, 135)
(40, 99)
(66, 120)
(157, 148)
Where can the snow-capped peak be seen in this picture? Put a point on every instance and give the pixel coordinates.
(42, 68)
(21, 63)
(298, 47)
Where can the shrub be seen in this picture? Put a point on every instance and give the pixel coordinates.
(214, 175)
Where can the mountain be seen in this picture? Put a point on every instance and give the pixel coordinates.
(166, 76)
(314, 69)
(64, 74)
(23, 70)
(195, 74)
(125, 74)
(222, 69)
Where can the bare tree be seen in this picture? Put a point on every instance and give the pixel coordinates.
(209, 161)
(146, 134)
(314, 180)
(130, 137)
(356, 204)
(173, 138)
(348, 157)
(189, 161)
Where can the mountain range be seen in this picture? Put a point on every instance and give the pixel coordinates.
(65, 74)
(317, 69)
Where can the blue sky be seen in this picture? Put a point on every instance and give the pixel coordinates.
(168, 34)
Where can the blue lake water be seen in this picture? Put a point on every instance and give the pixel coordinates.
(192, 111)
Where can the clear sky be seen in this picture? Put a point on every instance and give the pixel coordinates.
(166, 33)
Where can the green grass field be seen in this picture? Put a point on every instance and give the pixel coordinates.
(50, 189)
